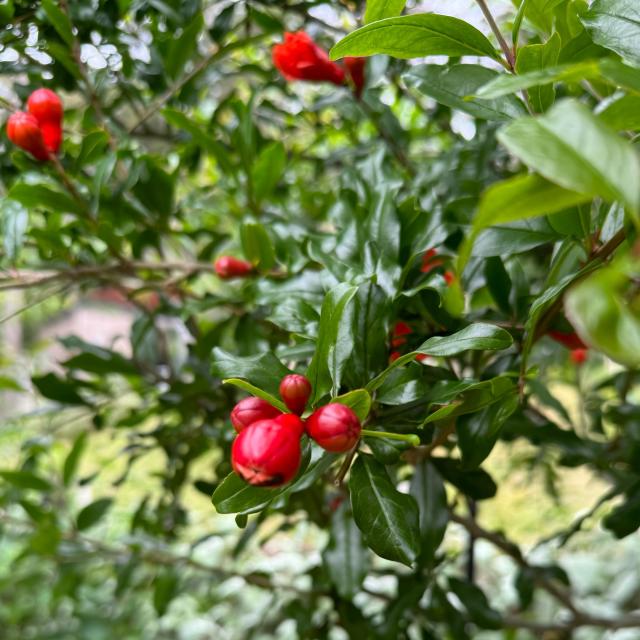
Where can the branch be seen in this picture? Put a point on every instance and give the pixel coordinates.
(506, 49)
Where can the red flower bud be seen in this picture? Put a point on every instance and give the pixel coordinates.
(449, 277)
(24, 131)
(334, 427)
(355, 69)
(45, 106)
(251, 410)
(399, 330)
(429, 261)
(291, 421)
(393, 356)
(230, 267)
(266, 454)
(295, 391)
(571, 339)
(300, 58)
(579, 356)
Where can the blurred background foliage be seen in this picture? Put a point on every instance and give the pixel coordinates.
(182, 143)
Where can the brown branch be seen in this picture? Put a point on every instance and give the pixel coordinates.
(506, 49)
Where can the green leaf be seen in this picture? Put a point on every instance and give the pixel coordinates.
(165, 589)
(26, 480)
(615, 24)
(475, 337)
(625, 518)
(93, 513)
(183, 46)
(101, 361)
(54, 388)
(345, 558)
(601, 311)
(478, 432)
(534, 57)
(623, 114)
(93, 145)
(263, 371)
(73, 459)
(415, 36)
(14, 220)
(428, 490)
(358, 400)
(335, 341)
(518, 198)
(200, 137)
(267, 170)
(476, 483)
(259, 393)
(59, 20)
(571, 147)
(387, 518)
(498, 283)
(380, 9)
(476, 604)
(452, 86)
(257, 245)
(42, 196)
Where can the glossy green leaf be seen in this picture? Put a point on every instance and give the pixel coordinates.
(263, 370)
(257, 245)
(572, 148)
(388, 519)
(428, 490)
(475, 483)
(59, 20)
(535, 57)
(452, 86)
(380, 9)
(267, 170)
(335, 342)
(415, 36)
(622, 114)
(358, 400)
(346, 558)
(476, 604)
(258, 393)
(615, 24)
(605, 314)
(14, 220)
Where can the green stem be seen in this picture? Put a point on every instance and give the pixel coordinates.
(409, 438)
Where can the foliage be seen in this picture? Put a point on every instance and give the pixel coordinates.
(516, 162)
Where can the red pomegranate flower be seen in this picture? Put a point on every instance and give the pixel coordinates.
(300, 58)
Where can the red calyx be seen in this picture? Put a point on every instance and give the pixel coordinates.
(449, 277)
(355, 69)
(45, 106)
(24, 131)
(570, 339)
(250, 410)
(266, 454)
(230, 267)
(334, 427)
(295, 391)
(300, 58)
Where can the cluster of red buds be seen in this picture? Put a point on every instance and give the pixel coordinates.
(399, 335)
(39, 129)
(300, 58)
(266, 451)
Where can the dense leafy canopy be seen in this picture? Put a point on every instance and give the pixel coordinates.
(488, 200)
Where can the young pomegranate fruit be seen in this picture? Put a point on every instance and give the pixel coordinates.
(295, 391)
(24, 131)
(230, 267)
(266, 453)
(334, 427)
(251, 410)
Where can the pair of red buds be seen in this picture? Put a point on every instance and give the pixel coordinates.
(267, 451)
(40, 130)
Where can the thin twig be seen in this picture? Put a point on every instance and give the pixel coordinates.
(506, 49)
